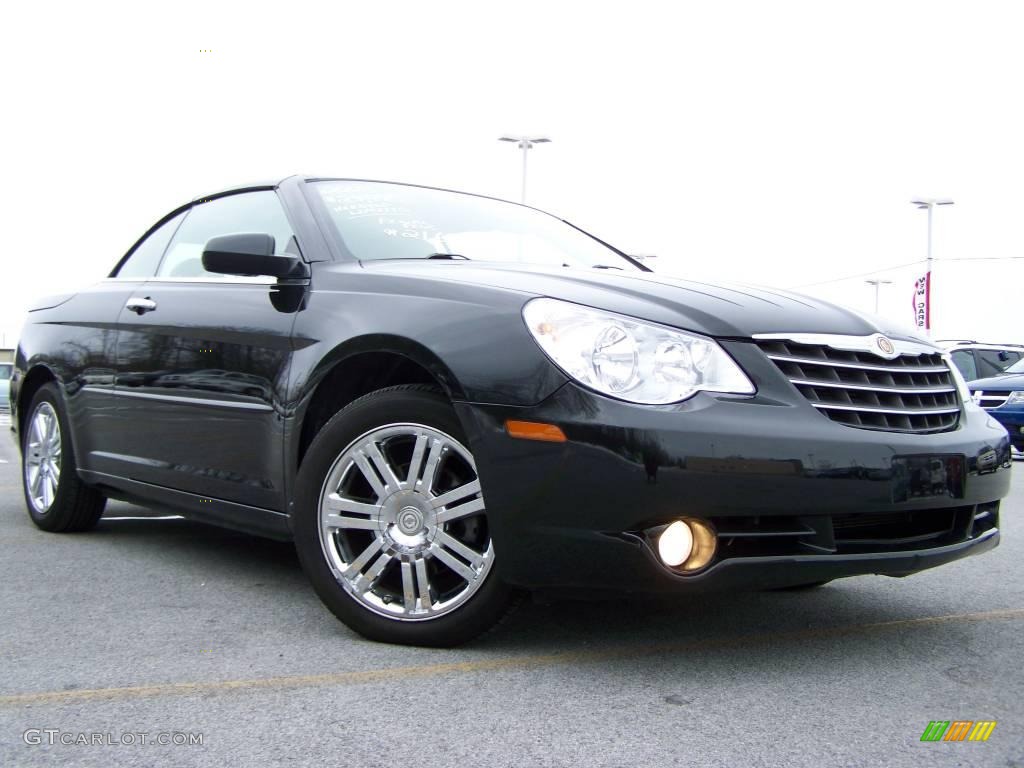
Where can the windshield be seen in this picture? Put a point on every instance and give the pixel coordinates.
(376, 220)
(5, 371)
(1017, 367)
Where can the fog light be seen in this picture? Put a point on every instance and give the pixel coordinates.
(675, 544)
(687, 545)
(705, 542)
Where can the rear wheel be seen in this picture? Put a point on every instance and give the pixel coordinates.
(57, 499)
(391, 525)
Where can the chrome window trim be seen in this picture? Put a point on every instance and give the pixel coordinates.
(189, 280)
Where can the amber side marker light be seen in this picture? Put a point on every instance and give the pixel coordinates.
(535, 430)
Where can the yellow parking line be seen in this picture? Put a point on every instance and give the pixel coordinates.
(485, 665)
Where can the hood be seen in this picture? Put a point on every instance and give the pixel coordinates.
(714, 309)
(1003, 381)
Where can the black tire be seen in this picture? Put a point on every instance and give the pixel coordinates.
(75, 506)
(406, 404)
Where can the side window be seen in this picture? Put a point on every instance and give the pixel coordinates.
(964, 360)
(143, 260)
(993, 361)
(247, 212)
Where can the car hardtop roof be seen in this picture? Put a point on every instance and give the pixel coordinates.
(298, 179)
(313, 179)
(275, 183)
(961, 342)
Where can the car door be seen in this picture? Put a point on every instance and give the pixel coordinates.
(80, 333)
(202, 361)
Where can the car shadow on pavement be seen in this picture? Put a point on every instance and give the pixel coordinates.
(240, 560)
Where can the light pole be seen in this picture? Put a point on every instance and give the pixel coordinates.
(929, 203)
(878, 284)
(526, 144)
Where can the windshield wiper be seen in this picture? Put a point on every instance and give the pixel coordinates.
(605, 266)
(451, 256)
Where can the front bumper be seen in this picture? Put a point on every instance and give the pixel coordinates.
(799, 487)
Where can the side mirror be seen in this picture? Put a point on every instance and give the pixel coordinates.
(249, 255)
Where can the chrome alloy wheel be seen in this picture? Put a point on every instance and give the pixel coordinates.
(403, 524)
(42, 457)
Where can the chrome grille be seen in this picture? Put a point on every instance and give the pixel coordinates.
(910, 393)
(990, 400)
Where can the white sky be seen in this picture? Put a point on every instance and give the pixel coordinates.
(776, 143)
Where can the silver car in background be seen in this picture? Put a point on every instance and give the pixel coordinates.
(5, 386)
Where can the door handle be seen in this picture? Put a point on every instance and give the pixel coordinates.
(140, 306)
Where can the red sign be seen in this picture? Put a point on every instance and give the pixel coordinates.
(923, 301)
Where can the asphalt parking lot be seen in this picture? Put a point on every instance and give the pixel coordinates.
(156, 626)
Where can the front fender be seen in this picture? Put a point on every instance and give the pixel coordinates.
(472, 338)
(397, 345)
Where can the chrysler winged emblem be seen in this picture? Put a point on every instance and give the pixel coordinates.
(885, 347)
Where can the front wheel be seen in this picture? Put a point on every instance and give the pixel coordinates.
(391, 526)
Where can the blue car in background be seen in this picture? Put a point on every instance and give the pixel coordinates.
(1002, 396)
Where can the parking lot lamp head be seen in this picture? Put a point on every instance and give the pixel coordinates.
(525, 143)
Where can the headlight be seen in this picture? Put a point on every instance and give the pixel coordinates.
(628, 358)
(1015, 398)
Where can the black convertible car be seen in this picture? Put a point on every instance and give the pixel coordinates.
(447, 400)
